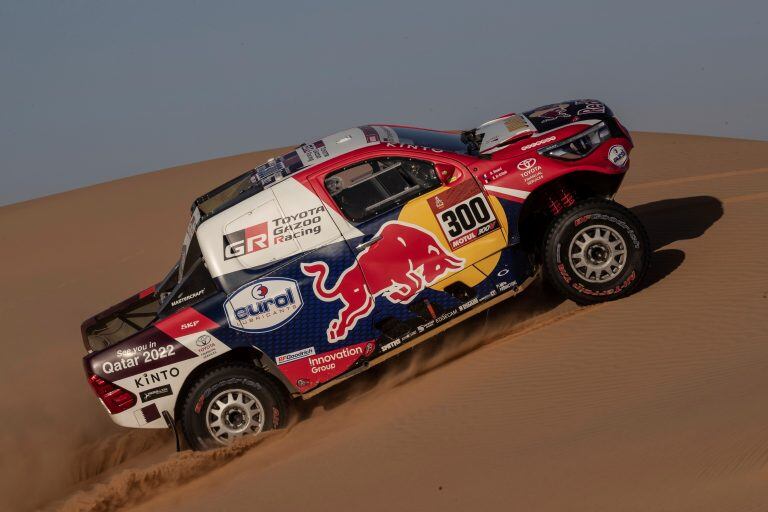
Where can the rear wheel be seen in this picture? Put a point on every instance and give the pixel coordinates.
(229, 402)
(595, 251)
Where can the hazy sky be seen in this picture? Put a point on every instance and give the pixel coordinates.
(92, 91)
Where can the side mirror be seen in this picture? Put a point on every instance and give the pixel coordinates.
(447, 173)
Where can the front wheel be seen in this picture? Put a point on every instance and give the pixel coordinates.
(596, 251)
(228, 402)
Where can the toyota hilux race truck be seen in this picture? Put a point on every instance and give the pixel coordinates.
(328, 260)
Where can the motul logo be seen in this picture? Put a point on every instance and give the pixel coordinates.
(246, 241)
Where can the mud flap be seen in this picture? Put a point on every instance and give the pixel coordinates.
(172, 425)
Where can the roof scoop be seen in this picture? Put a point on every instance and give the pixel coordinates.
(496, 133)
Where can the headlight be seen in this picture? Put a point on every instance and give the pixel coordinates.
(579, 145)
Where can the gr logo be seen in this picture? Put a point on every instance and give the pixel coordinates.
(245, 241)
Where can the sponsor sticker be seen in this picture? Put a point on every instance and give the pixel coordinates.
(446, 316)
(531, 172)
(504, 285)
(147, 414)
(264, 305)
(469, 304)
(293, 356)
(155, 393)
(412, 146)
(205, 345)
(526, 164)
(538, 143)
(310, 370)
(551, 112)
(389, 346)
(464, 216)
(591, 107)
(182, 300)
(149, 378)
(315, 151)
(186, 322)
(405, 260)
(494, 174)
(327, 361)
(147, 351)
(618, 156)
(264, 235)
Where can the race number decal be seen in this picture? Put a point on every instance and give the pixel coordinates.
(464, 214)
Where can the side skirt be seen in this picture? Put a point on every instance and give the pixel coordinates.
(424, 337)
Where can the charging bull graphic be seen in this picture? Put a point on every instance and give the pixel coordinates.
(551, 112)
(399, 265)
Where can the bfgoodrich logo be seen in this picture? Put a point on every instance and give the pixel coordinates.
(264, 305)
(293, 356)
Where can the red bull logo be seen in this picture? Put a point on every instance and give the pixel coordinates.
(402, 263)
(552, 112)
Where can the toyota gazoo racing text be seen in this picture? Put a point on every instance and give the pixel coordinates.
(332, 258)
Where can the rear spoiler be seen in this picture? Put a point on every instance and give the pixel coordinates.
(121, 320)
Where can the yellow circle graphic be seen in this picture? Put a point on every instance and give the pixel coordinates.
(480, 255)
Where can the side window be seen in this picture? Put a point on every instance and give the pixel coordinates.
(369, 188)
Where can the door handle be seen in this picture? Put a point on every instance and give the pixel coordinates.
(369, 243)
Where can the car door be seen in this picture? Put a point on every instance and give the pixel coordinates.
(418, 233)
(264, 253)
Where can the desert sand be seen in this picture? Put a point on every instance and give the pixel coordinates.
(655, 402)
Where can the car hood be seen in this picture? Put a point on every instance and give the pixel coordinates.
(549, 117)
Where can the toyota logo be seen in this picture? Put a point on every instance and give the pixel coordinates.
(526, 164)
(203, 340)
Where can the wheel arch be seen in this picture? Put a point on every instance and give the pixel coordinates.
(248, 355)
(536, 213)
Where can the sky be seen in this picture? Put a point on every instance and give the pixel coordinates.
(94, 91)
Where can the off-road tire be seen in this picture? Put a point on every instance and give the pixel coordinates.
(565, 237)
(230, 376)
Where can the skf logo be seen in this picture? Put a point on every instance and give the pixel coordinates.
(246, 241)
(189, 325)
(526, 164)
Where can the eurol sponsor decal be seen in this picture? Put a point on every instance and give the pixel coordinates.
(309, 371)
(264, 305)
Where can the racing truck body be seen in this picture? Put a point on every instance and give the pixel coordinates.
(325, 261)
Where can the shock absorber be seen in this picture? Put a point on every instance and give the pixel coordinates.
(566, 197)
(559, 200)
(554, 205)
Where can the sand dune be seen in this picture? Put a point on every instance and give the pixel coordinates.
(655, 402)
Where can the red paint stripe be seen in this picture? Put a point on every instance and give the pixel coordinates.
(148, 291)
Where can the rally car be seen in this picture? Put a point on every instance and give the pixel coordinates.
(342, 253)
